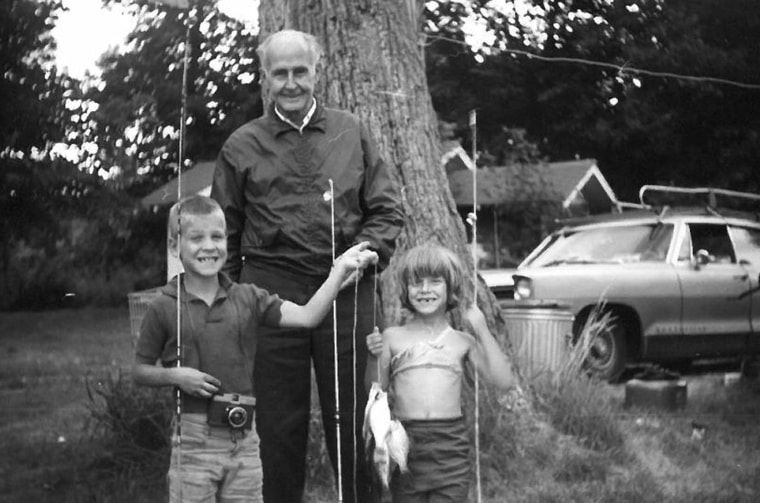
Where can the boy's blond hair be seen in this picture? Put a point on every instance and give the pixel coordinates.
(195, 205)
(431, 260)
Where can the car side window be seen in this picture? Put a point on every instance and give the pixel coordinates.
(747, 242)
(715, 240)
(684, 252)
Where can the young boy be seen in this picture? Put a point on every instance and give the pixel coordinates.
(216, 455)
(422, 364)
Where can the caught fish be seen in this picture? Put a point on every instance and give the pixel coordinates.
(391, 444)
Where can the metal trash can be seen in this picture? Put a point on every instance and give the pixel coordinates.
(138, 306)
(540, 332)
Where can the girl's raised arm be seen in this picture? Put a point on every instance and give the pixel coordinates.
(486, 355)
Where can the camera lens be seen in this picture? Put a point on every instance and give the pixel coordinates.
(237, 416)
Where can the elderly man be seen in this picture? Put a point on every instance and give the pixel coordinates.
(272, 178)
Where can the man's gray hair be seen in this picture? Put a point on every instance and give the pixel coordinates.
(310, 41)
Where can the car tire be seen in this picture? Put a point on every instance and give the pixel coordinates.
(607, 353)
(750, 367)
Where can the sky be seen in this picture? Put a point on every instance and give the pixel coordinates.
(88, 29)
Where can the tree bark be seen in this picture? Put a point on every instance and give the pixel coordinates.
(374, 66)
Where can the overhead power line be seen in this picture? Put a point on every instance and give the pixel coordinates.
(613, 66)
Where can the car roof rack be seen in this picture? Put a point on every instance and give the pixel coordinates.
(573, 221)
(721, 202)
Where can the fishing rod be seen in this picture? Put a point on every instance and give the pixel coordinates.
(180, 161)
(331, 197)
(473, 122)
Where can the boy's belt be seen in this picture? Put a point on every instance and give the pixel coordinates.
(193, 404)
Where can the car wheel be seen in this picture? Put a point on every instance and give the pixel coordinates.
(606, 354)
(750, 367)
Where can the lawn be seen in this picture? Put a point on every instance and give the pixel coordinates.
(581, 445)
(45, 361)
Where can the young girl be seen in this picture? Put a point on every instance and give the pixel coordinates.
(422, 365)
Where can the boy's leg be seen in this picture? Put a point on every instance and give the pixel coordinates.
(243, 475)
(195, 467)
(282, 383)
(324, 370)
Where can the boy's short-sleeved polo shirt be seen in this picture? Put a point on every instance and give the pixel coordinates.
(219, 339)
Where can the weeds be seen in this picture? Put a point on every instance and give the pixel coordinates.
(575, 402)
(132, 426)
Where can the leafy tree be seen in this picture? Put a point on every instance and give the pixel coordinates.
(641, 128)
(65, 231)
(137, 118)
(31, 113)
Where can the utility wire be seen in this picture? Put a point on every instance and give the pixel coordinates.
(618, 68)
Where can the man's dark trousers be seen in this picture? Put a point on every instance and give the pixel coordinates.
(282, 382)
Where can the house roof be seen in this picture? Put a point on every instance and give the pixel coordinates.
(455, 157)
(196, 180)
(495, 184)
(573, 182)
(586, 183)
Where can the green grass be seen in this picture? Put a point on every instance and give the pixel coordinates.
(46, 360)
(576, 444)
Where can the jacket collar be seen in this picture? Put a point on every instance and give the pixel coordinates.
(278, 126)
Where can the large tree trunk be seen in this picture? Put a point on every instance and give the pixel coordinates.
(374, 66)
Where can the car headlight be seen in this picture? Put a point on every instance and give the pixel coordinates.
(523, 289)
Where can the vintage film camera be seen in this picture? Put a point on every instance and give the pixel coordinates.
(231, 410)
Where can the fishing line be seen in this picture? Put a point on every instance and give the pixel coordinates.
(374, 316)
(331, 196)
(473, 218)
(353, 360)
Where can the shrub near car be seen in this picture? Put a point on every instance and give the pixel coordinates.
(681, 283)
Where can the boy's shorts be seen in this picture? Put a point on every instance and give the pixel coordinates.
(214, 464)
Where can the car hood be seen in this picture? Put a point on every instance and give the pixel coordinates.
(498, 277)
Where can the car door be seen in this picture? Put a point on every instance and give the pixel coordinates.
(716, 309)
(747, 245)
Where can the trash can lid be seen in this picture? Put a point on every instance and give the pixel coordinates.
(533, 304)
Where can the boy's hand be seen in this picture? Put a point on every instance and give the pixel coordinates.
(194, 382)
(375, 343)
(353, 261)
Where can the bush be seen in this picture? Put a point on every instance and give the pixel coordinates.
(132, 425)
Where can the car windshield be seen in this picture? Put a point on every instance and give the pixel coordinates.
(618, 244)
